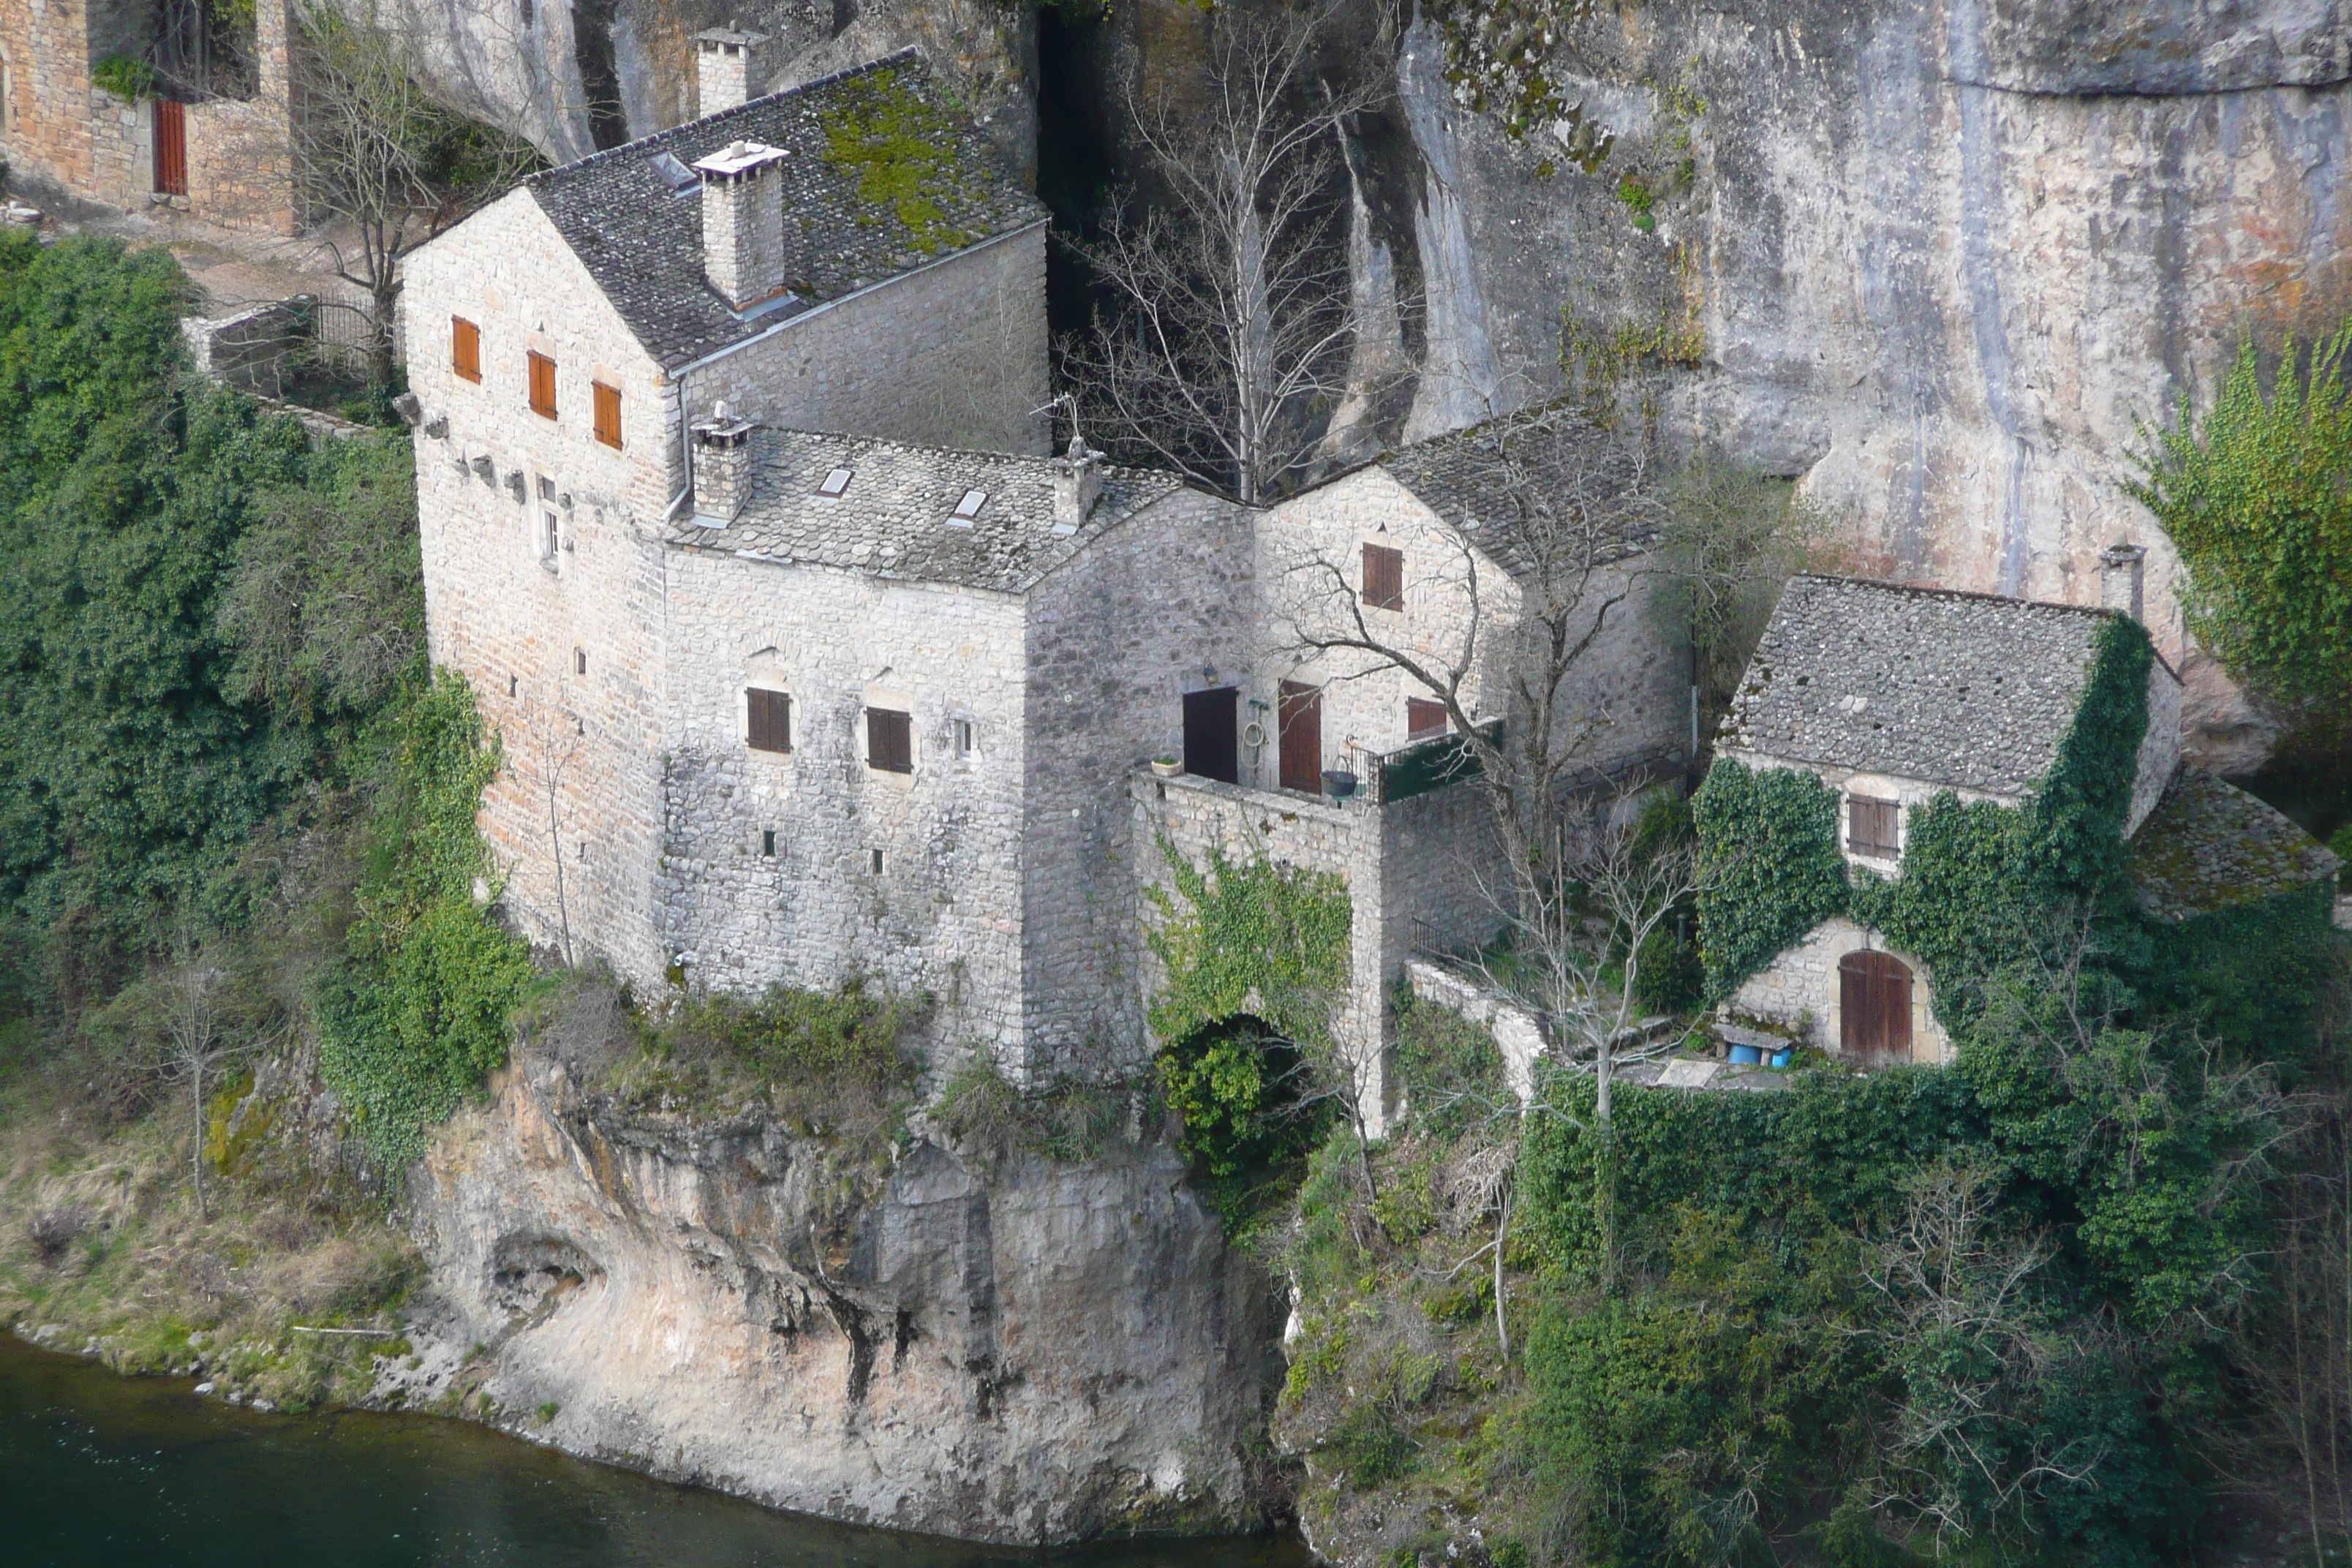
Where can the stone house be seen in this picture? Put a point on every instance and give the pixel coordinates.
(1895, 696)
(211, 139)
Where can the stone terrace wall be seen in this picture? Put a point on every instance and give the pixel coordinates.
(952, 355)
(943, 916)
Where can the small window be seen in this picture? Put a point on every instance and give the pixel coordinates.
(877, 862)
(1423, 717)
(681, 180)
(579, 661)
(768, 843)
(550, 537)
(514, 685)
(1873, 827)
(1383, 577)
(963, 737)
(546, 488)
(969, 508)
(608, 413)
(466, 349)
(889, 740)
(836, 483)
(542, 385)
(771, 719)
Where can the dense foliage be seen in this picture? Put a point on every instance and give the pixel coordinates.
(2257, 497)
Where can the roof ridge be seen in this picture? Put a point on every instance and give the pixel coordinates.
(905, 52)
(1926, 590)
(919, 447)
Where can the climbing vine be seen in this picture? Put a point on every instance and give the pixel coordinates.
(908, 159)
(416, 1014)
(1250, 937)
(1770, 838)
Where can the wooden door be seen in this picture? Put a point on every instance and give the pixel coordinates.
(1873, 1009)
(1211, 735)
(171, 148)
(1299, 712)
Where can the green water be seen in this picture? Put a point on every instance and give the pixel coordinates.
(97, 1471)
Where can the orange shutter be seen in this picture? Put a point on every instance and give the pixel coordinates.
(542, 385)
(466, 348)
(608, 415)
(171, 148)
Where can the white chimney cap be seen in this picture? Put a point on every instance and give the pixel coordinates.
(740, 158)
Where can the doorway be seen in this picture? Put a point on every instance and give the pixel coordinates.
(1212, 747)
(1299, 714)
(1873, 1009)
(171, 148)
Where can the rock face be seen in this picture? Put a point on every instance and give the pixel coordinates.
(1030, 1354)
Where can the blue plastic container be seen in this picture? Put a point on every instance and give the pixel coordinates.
(1746, 1056)
(1783, 1056)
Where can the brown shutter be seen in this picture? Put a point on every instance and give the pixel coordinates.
(889, 740)
(542, 385)
(466, 348)
(1298, 714)
(608, 415)
(1383, 577)
(171, 148)
(1873, 1009)
(771, 719)
(1873, 827)
(1423, 717)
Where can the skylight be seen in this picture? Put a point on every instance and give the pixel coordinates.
(969, 508)
(836, 483)
(675, 175)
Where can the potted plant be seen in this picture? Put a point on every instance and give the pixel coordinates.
(1166, 765)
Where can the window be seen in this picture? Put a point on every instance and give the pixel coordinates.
(550, 537)
(963, 737)
(889, 740)
(579, 661)
(771, 719)
(681, 180)
(608, 413)
(877, 862)
(1873, 827)
(969, 508)
(836, 483)
(466, 349)
(542, 385)
(514, 685)
(546, 488)
(1423, 717)
(1383, 577)
(768, 843)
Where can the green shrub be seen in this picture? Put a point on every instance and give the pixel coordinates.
(127, 79)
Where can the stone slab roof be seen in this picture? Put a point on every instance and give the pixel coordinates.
(2209, 846)
(643, 244)
(893, 520)
(1477, 478)
(1967, 689)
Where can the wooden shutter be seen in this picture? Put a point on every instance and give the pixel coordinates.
(771, 719)
(889, 740)
(1423, 717)
(466, 348)
(1299, 712)
(1873, 827)
(1873, 1009)
(542, 385)
(1383, 577)
(171, 148)
(608, 415)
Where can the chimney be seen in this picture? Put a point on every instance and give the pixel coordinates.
(2121, 578)
(728, 68)
(722, 465)
(1077, 483)
(744, 222)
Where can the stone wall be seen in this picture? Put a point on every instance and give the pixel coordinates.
(943, 915)
(953, 354)
(1799, 990)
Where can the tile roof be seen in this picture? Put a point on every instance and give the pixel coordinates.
(644, 246)
(1966, 690)
(1475, 480)
(2208, 847)
(893, 520)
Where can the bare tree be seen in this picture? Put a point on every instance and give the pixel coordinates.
(197, 1012)
(379, 161)
(1232, 336)
(551, 740)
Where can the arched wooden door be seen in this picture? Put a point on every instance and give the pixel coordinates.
(1873, 1009)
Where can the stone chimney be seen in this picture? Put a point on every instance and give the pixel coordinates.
(1077, 484)
(2122, 578)
(744, 222)
(722, 465)
(728, 68)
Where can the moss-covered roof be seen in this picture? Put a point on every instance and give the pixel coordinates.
(2208, 847)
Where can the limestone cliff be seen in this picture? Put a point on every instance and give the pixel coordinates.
(1012, 1351)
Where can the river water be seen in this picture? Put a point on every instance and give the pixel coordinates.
(101, 1471)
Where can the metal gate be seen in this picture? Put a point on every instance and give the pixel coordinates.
(171, 147)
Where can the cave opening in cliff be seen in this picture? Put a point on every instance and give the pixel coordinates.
(1077, 152)
(599, 75)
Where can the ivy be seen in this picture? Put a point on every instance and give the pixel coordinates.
(908, 159)
(1254, 939)
(416, 1014)
(1770, 843)
(127, 79)
(2257, 501)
